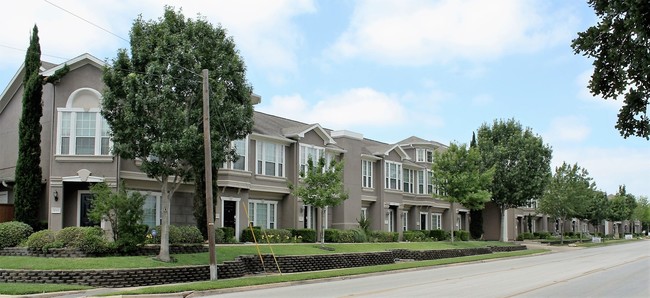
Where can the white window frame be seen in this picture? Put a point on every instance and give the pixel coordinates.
(367, 169)
(420, 154)
(364, 212)
(158, 211)
(429, 182)
(260, 164)
(408, 179)
(421, 182)
(405, 220)
(100, 123)
(231, 164)
(436, 221)
(391, 220)
(389, 178)
(4, 197)
(315, 152)
(271, 217)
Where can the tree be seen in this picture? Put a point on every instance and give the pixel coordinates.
(622, 205)
(123, 211)
(475, 216)
(642, 212)
(321, 186)
(567, 194)
(28, 173)
(597, 209)
(521, 164)
(457, 173)
(152, 101)
(620, 44)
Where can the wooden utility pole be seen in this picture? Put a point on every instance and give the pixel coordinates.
(207, 144)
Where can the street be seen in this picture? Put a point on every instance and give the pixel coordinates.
(610, 271)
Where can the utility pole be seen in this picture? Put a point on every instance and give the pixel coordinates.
(207, 145)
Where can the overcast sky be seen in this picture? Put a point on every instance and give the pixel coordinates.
(386, 69)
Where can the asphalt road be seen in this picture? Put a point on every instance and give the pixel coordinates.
(610, 271)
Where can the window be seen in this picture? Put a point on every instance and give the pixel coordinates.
(391, 220)
(81, 130)
(364, 212)
(366, 173)
(241, 149)
(423, 155)
(436, 221)
(409, 178)
(405, 220)
(262, 214)
(429, 182)
(309, 151)
(270, 159)
(4, 197)
(151, 210)
(421, 183)
(393, 175)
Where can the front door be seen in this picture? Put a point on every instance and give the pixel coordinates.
(85, 204)
(230, 214)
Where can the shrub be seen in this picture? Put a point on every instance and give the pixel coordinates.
(332, 235)
(526, 236)
(229, 234)
(415, 236)
(247, 234)
(304, 235)
(461, 235)
(13, 232)
(542, 235)
(382, 236)
(439, 235)
(71, 236)
(219, 235)
(42, 241)
(346, 236)
(360, 236)
(93, 241)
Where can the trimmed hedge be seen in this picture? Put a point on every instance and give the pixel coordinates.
(43, 240)
(439, 235)
(303, 235)
(177, 235)
(415, 236)
(13, 232)
(382, 236)
(461, 235)
(266, 235)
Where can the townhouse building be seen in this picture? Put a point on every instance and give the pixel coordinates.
(390, 184)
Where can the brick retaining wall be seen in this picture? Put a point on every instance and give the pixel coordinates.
(148, 250)
(232, 269)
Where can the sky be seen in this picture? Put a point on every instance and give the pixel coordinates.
(389, 70)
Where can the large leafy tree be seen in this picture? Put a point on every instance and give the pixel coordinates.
(567, 194)
(153, 101)
(521, 164)
(597, 209)
(642, 212)
(321, 186)
(458, 174)
(622, 205)
(620, 44)
(28, 173)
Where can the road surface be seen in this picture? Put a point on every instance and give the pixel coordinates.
(610, 271)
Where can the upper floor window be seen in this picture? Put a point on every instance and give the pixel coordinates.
(366, 173)
(393, 175)
(313, 152)
(81, 129)
(430, 182)
(409, 181)
(241, 149)
(270, 159)
(422, 183)
(423, 155)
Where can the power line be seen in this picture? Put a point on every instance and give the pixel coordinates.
(25, 51)
(87, 21)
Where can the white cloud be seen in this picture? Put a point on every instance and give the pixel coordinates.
(567, 129)
(364, 107)
(415, 32)
(610, 167)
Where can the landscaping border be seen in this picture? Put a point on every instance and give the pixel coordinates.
(243, 265)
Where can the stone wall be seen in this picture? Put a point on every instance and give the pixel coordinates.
(232, 269)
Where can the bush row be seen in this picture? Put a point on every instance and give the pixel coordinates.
(13, 232)
(257, 234)
(434, 235)
(86, 239)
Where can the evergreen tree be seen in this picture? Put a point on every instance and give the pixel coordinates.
(28, 189)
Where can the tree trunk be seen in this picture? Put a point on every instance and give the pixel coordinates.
(504, 225)
(322, 227)
(561, 231)
(453, 223)
(163, 255)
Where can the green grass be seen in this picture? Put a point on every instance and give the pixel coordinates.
(224, 253)
(606, 242)
(27, 289)
(276, 278)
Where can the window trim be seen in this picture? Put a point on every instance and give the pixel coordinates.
(405, 220)
(437, 217)
(410, 183)
(268, 214)
(425, 225)
(230, 163)
(388, 178)
(100, 121)
(260, 157)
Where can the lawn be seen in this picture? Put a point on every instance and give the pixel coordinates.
(224, 253)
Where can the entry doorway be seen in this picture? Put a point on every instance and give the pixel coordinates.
(230, 214)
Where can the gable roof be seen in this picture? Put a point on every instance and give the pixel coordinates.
(300, 131)
(413, 140)
(47, 69)
(384, 150)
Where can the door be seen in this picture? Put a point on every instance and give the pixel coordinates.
(85, 204)
(230, 214)
(391, 220)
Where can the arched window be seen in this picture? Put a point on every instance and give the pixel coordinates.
(81, 129)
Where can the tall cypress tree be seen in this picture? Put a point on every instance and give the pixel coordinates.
(475, 215)
(28, 187)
